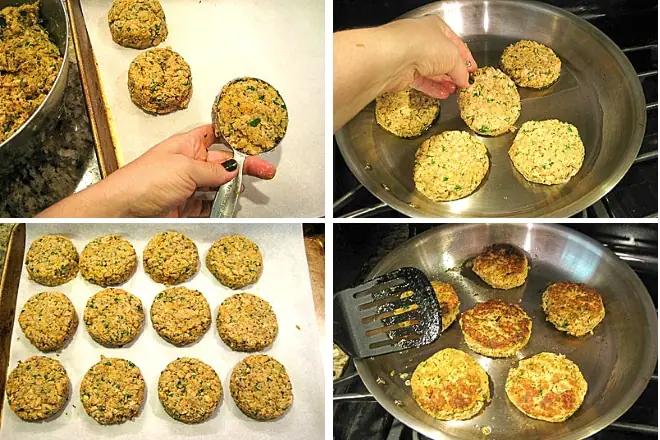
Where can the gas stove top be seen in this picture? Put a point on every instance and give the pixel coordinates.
(359, 247)
(632, 25)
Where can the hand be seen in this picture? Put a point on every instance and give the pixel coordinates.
(420, 52)
(162, 181)
(177, 167)
(439, 60)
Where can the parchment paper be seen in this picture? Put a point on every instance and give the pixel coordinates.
(284, 283)
(279, 41)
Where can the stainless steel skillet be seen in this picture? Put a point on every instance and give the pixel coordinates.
(598, 92)
(617, 360)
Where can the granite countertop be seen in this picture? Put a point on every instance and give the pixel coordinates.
(66, 163)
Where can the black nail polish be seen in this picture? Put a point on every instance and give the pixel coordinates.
(230, 165)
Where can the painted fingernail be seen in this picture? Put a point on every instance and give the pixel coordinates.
(230, 165)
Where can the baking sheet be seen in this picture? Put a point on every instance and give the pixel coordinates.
(279, 41)
(284, 283)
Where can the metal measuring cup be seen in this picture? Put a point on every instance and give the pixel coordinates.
(224, 203)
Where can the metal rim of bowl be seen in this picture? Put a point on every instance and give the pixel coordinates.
(65, 58)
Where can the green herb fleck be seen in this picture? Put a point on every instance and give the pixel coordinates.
(254, 122)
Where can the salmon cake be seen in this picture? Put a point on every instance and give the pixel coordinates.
(235, 261)
(496, 328)
(449, 302)
(261, 387)
(450, 166)
(48, 320)
(450, 385)
(170, 258)
(52, 260)
(491, 105)
(30, 63)
(408, 113)
(547, 386)
(112, 391)
(189, 390)
(160, 81)
(246, 322)
(548, 152)
(573, 308)
(114, 317)
(138, 24)
(531, 64)
(108, 261)
(251, 115)
(180, 316)
(501, 266)
(37, 388)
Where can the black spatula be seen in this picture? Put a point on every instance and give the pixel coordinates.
(394, 312)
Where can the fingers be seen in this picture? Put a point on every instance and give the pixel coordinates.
(197, 139)
(211, 174)
(463, 49)
(459, 74)
(438, 89)
(254, 166)
(203, 135)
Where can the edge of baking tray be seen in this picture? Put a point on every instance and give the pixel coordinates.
(566, 211)
(98, 113)
(9, 279)
(584, 432)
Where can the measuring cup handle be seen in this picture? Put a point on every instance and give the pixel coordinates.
(226, 198)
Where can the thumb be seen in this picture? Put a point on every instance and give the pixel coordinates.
(213, 174)
(459, 74)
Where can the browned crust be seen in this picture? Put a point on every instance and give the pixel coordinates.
(573, 307)
(450, 385)
(449, 302)
(546, 386)
(502, 266)
(496, 328)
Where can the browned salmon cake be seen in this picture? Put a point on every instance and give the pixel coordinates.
(501, 266)
(112, 391)
(546, 386)
(108, 261)
(114, 317)
(52, 260)
(189, 390)
(496, 328)
(180, 316)
(235, 261)
(170, 258)
(573, 308)
(48, 320)
(449, 302)
(450, 385)
(261, 387)
(37, 388)
(246, 322)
